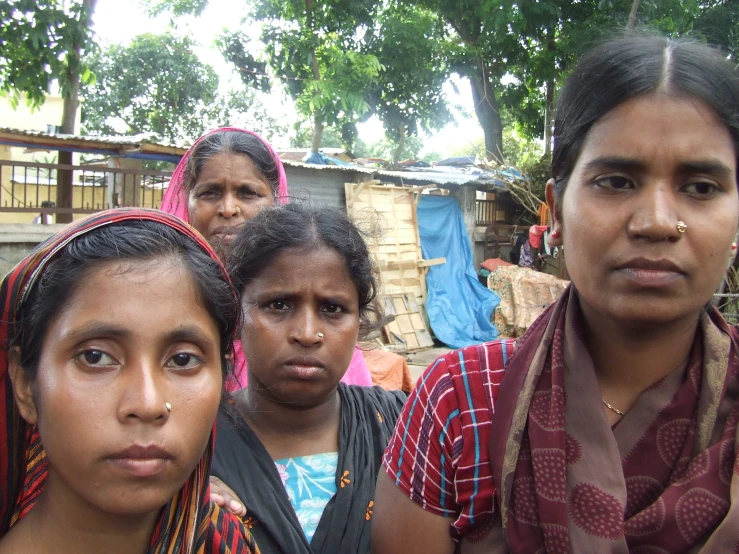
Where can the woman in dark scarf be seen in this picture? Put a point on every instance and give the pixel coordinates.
(113, 448)
(611, 426)
(300, 449)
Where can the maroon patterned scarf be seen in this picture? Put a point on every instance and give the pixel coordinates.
(665, 479)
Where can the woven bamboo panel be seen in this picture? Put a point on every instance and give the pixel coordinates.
(397, 254)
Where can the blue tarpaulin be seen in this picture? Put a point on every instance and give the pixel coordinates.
(458, 305)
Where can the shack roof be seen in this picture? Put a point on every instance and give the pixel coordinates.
(138, 146)
(146, 146)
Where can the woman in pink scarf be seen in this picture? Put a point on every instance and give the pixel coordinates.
(226, 177)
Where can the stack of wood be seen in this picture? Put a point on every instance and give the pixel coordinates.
(397, 255)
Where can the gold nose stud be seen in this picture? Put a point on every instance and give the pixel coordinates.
(681, 227)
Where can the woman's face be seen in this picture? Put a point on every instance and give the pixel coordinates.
(228, 191)
(301, 322)
(646, 165)
(133, 338)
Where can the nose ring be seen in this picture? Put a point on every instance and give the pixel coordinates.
(168, 406)
(238, 210)
(320, 335)
(681, 227)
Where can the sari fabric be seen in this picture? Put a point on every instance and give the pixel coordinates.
(368, 416)
(189, 523)
(664, 479)
(175, 202)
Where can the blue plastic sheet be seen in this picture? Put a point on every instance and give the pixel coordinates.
(458, 305)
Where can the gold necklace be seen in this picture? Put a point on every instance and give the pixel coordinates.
(619, 412)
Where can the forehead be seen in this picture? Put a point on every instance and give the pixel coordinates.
(147, 298)
(228, 166)
(660, 131)
(313, 269)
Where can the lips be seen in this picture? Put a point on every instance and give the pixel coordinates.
(647, 272)
(226, 230)
(304, 367)
(141, 461)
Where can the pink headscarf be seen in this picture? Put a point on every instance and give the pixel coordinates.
(175, 202)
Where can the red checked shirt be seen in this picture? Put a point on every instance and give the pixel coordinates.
(438, 454)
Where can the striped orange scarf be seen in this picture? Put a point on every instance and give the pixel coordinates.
(189, 523)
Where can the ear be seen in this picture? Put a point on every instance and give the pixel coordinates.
(554, 213)
(22, 387)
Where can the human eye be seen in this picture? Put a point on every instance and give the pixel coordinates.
(701, 189)
(247, 192)
(207, 193)
(333, 309)
(184, 360)
(614, 183)
(96, 359)
(277, 306)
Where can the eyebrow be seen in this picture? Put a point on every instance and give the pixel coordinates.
(282, 294)
(188, 333)
(712, 167)
(94, 330)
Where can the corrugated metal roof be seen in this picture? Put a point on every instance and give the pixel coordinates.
(438, 177)
(138, 146)
(350, 168)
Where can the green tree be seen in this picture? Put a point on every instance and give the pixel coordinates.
(313, 49)
(155, 84)
(408, 95)
(484, 45)
(42, 41)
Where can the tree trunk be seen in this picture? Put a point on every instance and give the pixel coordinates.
(65, 177)
(315, 141)
(488, 111)
(549, 118)
(401, 144)
(632, 15)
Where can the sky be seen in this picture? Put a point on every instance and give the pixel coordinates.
(118, 22)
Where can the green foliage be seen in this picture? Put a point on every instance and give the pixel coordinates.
(156, 84)
(175, 7)
(313, 49)
(386, 149)
(331, 137)
(38, 44)
(408, 94)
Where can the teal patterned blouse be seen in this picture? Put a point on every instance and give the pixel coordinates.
(310, 482)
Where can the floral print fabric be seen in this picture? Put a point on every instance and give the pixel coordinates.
(310, 482)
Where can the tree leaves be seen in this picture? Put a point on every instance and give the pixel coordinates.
(37, 45)
(156, 84)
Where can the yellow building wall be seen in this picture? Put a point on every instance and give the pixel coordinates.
(23, 117)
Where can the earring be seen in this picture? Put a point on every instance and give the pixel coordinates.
(555, 234)
(733, 246)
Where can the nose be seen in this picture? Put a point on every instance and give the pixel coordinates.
(230, 206)
(306, 329)
(655, 215)
(143, 395)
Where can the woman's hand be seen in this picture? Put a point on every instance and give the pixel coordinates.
(225, 497)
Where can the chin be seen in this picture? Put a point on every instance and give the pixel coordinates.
(136, 502)
(650, 313)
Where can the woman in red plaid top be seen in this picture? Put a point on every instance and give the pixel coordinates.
(612, 427)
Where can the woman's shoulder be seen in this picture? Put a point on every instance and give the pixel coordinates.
(376, 398)
(487, 361)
